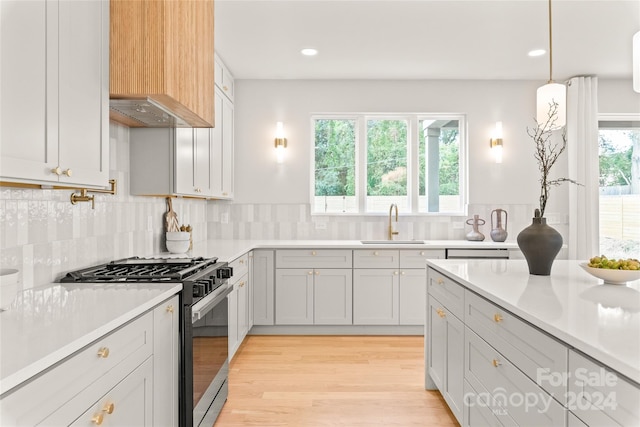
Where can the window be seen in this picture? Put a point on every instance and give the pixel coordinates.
(364, 163)
(619, 181)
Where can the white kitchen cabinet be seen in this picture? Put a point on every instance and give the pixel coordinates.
(390, 285)
(313, 296)
(412, 294)
(222, 145)
(263, 287)
(250, 293)
(166, 363)
(232, 312)
(118, 369)
(54, 68)
(170, 161)
(239, 303)
(294, 296)
(446, 355)
(376, 296)
(127, 403)
(223, 78)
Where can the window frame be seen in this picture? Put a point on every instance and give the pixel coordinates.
(413, 176)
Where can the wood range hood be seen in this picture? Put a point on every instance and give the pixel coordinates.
(162, 63)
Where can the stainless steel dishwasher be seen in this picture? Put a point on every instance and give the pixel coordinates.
(485, 253)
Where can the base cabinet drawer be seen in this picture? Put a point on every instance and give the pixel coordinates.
(128, 402)
(509, 391)
(478, 413)
(314, 258)
(600, 397)
(447, 291)
(535, 353)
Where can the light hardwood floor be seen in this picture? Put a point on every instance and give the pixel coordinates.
(309, 381)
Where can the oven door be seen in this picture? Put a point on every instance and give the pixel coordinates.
(209, 359)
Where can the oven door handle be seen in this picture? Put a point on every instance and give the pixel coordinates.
(202, 307)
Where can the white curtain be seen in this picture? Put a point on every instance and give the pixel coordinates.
(582, 151)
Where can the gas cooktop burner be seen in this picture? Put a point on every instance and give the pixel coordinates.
(141, 269)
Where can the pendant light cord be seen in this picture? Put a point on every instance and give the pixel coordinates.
(550, 48)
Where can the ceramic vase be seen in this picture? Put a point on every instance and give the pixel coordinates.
(475, 234)
(539, 244)
(498, 234)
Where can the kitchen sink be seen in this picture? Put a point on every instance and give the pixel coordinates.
(392, 242)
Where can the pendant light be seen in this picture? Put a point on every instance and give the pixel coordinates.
(552, 92)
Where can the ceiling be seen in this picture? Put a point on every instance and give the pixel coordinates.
(425, 39)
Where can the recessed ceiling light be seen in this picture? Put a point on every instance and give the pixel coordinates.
(537, 52)
(309, 51)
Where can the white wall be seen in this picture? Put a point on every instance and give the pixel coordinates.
(260, 103)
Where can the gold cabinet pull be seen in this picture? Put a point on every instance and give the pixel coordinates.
(241, 261)
(57, 170)
(169, 309)
(440, 281)
(421, 253)
(497, 318)
(103, 352)
(97, 419)
(496, 363)
(67, 172)
(313, 253)
(108, 408)
(440, 312)
(375, 253)
(317, 273)
(225, 88)
(242, 283)
(310, 273)
(395, 273)
(402, 272)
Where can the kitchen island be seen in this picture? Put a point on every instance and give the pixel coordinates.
(566, 337)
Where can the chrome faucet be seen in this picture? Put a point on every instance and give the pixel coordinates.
(391, 232)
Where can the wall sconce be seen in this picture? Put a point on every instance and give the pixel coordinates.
(496, 143)
(280, 142)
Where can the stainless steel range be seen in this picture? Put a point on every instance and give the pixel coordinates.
(204, 330)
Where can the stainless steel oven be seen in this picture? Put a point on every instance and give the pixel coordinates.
(204, 329)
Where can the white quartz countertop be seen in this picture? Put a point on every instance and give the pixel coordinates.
(228, 250)
(46, 324)
(602, 321)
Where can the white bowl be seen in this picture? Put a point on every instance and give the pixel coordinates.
(177, 246)
(178, 235)
(614, 277)
(8, 286)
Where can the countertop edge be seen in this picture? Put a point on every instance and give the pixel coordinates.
(629, 371)
(10, 382)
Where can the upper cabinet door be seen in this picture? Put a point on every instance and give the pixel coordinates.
(26, 150)
(54, 92)
(83, 61)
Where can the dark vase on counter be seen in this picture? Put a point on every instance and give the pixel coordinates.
(539, 244)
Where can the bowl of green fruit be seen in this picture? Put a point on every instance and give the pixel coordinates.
(613, 271)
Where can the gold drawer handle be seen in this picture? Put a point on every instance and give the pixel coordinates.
(497, 318)
(441, 312)
(395, 273)
(242, 283)
(103, 352)
(67, 172)
(402, 272)
(108, 408)
(313, 253)
(375, 253)
(169, 309)
(97, 419)
(317, 273)
(440, 281)
(225, 88)
(241, 261)
(57, 170)
(421, 253)
(310, 273)
(496, 363)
